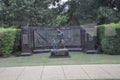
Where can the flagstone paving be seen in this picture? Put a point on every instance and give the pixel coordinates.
(61, 72)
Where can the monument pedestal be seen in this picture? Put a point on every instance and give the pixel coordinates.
(25, 41)
(26, 54)
(59, 52)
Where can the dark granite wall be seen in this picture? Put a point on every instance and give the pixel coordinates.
(44, 37)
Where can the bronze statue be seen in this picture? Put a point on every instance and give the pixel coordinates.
(58, 42)
(59, 45)
(60, 37)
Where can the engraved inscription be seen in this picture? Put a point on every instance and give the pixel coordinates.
(25, 39)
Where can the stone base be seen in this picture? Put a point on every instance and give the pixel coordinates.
(26, 54)
(59, 52)
(91, 51)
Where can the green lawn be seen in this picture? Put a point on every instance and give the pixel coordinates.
(76, 58)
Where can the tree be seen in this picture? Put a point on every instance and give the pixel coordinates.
(25, 12)
(81, 11)
(72, 12)
(108, 11)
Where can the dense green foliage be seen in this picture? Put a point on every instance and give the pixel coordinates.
(17, 43)
(109, 38)
(86, 11)
(24, 12)
(7, 39)
(108, 11)
(72, 12)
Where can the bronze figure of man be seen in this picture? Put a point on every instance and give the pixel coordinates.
(60, 37)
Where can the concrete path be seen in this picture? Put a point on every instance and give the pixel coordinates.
(62, 72)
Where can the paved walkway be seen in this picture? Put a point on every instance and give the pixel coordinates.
(62, 72)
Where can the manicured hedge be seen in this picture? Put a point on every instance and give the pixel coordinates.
(7, 40)
(109, 38)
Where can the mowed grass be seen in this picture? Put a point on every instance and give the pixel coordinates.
(77, 58)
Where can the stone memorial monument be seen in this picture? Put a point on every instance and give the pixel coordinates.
(59, 45)
(25, 41)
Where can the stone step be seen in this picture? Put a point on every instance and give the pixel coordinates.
(48, 50)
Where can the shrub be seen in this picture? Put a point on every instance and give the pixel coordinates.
(109, 38)
(7, 39)
(17, 44)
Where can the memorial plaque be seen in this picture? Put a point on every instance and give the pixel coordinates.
(25, 39)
